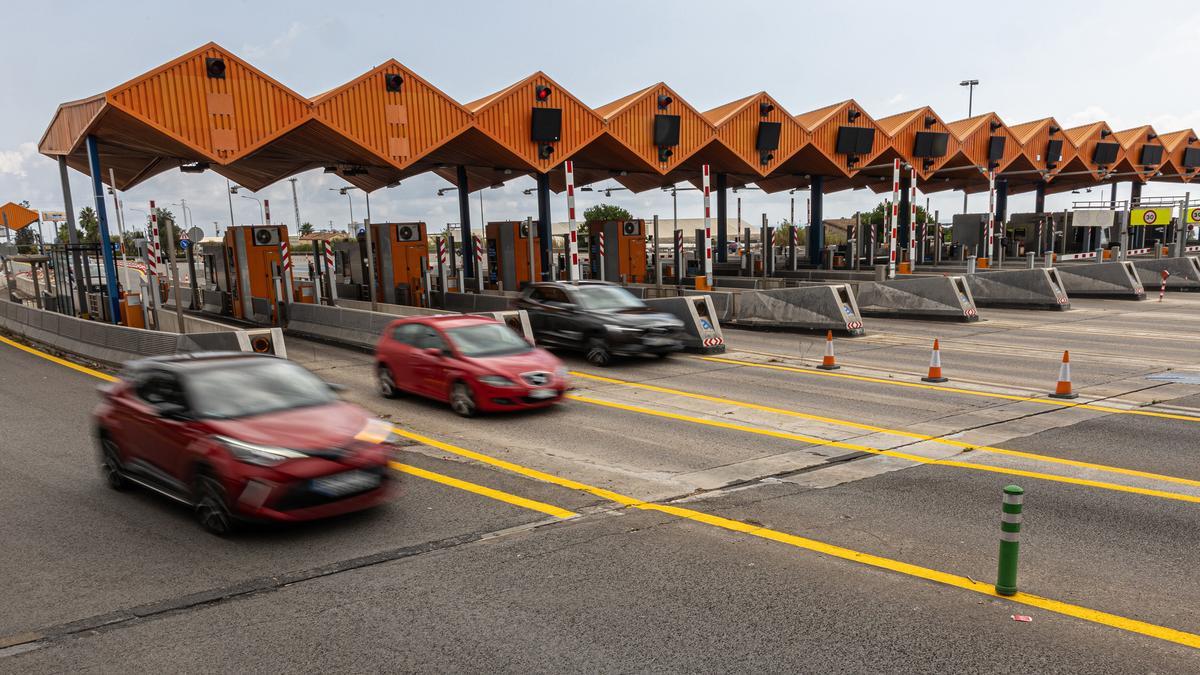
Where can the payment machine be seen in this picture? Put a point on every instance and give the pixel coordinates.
(401, 251)
(253, 274)
(624, 250)
(508, 254)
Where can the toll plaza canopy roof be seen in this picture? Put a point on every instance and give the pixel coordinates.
(210, 110)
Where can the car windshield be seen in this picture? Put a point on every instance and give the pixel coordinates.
(607, 298)
(487, 339)
(254, 387)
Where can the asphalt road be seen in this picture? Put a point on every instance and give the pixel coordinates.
(643, 578)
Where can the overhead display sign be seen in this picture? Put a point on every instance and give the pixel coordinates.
(1150, 217)
(1093, 218)
(54, 217)
(1192, 215)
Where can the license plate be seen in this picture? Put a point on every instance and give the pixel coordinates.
(345, 483)
(542, 394)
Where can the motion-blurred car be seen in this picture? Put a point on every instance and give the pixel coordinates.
(601, 319)
(241, 437)
(475, 363)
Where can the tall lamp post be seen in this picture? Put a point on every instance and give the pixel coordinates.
(261, 211)
(970, 85)
(346, 191)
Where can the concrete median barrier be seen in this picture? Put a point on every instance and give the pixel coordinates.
(1104, 280)
(700, 324)
(831, 307)
(1040, 288)
(918, 297)
(361, 328)
(1185, 272)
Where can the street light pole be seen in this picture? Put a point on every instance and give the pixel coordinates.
(295, 204)
(970, 85)
(229, 194)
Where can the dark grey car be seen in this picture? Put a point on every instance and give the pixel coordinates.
(600, 319)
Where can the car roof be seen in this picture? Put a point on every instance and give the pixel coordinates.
(571, 284)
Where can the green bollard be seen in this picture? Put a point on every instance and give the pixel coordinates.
(1010, 531)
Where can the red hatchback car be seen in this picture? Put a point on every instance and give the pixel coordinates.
(473, 362)
(241, 437)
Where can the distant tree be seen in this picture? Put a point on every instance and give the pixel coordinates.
(165, 217)
(876, 215)
(306, 228)
(89, 226)
(603, 213)
(26, 241)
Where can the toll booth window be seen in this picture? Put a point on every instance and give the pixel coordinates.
(408, 333)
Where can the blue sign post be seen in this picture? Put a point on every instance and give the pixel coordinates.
(110, 265)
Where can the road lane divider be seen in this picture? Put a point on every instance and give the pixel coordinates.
(941, 440)
(832, 550)
(492, 493)
(815, 440)
(953, 390)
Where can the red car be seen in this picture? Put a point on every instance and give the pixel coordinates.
(241, 437)
(473, 362)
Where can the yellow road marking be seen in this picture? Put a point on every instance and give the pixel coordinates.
(957, 581)
(813, 440)
(62, 362)
(498, 495)
(953, 390)
(532, 505)
(891, 432)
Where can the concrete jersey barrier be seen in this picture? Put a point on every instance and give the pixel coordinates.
(1117, 279)
(946, 297)
(114, 345)
(702, 329)
(1185, 272)
(362, 328)
(1040, 288)
(831, 307)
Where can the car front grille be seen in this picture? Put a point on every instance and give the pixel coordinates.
(300, 496)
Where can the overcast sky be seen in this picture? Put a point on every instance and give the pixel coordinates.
(1128, 63)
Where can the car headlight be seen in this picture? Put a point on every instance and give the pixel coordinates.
(621, 330)
(379, 432)
(496, 381)
(259, 455)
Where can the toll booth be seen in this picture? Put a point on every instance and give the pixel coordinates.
(624, 250)
(508, 254)
(253, 271)
(401, 251)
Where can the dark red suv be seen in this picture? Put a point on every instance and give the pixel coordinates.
(241, 437)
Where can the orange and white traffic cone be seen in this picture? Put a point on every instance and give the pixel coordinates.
(1063, 390)
(935, 366)
(828, 362)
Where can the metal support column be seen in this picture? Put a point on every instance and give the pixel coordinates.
(546, 241)
(464, 220)
(816, 225)
(722, 221)
(75, 273)
(110, 265)
(1039, 197)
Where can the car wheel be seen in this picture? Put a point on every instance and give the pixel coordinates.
(110, 465)
(385, 381)
(212, 510)
(462, 400)
(597, 353)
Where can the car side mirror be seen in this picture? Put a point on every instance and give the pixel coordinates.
(172, 411)
(336, 387)
(436, 352)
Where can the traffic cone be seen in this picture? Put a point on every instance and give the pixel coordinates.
(1063, 390)
(935, 366)
(828, 362)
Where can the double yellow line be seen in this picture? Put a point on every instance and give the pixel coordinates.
(954, 580)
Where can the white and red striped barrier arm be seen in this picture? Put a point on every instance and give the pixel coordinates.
(1077, 256)
(1191, 249)
(1139, 251)
(572, 235)
(708, 259)
(991, 234)
(329, 260)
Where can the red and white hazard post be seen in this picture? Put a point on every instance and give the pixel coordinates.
(912, 218)
(708, 258)
(285, 268)
(267, 211)
(572, 234)
(330, 269)
(991, 232)
(895, 210)
(478, 253)
(600, 252)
